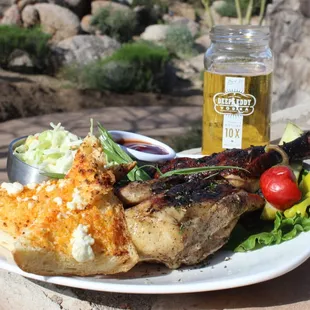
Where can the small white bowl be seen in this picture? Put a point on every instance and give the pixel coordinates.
(119, 135)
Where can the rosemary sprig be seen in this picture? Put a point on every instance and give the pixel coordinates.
(198, 170)
(116, 155)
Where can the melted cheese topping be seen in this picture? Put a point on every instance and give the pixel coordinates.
(12, 188)
(77, 202)
(81, 244)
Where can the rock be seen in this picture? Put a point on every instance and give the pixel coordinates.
(4, 5)
(196, 62)
(60, 22)
(182, 9)
(202, 43)
(30, 16)
(155, 33)
(192, 26)
(83, 49)
(20, 61)
(86, 24)
(23, 3)
(290, 42)
(11, 16)
(305, 7)
(98, 5)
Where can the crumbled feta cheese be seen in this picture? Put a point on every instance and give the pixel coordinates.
(81, 244)
(32, 185)
(50, 188)
(58, 201)
(77, 202)
(62, 183)
(35, 197)
(12, 188)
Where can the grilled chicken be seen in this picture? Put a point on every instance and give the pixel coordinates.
(253, 160)
(189, 221)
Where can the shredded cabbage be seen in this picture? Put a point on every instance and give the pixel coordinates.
(51, 150)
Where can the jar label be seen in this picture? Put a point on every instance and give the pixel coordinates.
(233, 104)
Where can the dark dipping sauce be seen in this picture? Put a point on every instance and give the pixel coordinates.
(144, 147)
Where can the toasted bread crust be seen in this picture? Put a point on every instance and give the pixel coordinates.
(42, 220)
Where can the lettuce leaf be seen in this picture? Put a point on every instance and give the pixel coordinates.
(284, 229)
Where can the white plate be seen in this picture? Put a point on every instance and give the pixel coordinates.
(241, 269)
(225, 270)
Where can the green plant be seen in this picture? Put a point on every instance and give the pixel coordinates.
(207, 5)
(32, 41)
(231, 7)
(179, 41)
(139, 66)
(119, 24)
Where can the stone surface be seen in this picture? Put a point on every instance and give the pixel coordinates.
(155, 33)
(11, 16)
(98, 5)
(290, 42)
(60, 22)
(83, 49)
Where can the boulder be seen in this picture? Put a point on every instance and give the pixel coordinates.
(20, 61)
(96, 6)
(182, 9)
(86, 24)
(4, 5)
(11, 16)
(202, 43)
(23, 3)
(83, 49)
(60, 22)
(290, 42)
(305, 7)
(155, 33)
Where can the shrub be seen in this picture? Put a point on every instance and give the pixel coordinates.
(32, 41)
(118, 24)
(139, 66)
(229, 8)
(179, 41)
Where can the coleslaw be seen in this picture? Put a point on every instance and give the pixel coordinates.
(51, 151)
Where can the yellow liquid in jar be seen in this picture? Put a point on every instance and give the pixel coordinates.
(255, 128)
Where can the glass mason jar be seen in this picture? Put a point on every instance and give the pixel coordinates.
(237, 88)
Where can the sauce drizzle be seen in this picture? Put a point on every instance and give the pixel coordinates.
(143, 146)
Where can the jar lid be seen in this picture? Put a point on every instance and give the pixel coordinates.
(239, 34)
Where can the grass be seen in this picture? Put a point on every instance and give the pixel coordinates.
(118, 24)
(32, 41)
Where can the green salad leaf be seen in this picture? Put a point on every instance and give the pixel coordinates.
(284, 229)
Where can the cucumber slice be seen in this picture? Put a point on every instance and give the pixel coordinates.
(291, 133)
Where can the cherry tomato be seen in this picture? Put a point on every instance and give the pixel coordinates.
(279, 187)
